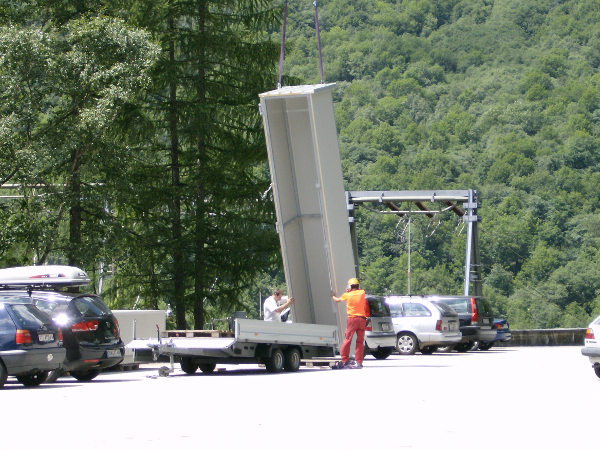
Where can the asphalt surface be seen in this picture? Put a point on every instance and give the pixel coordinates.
(515, 397)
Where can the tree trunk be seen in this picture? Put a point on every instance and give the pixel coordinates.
(178, 258)
(200, 234)
(75, 218)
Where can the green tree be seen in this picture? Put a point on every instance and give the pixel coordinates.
(218, 226)
(64, 89)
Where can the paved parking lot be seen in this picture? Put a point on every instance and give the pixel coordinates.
(522, 397)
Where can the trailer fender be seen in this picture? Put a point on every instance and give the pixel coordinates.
(265, 350)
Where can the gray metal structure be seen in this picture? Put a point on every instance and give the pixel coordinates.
(452, 200)
(309, 198)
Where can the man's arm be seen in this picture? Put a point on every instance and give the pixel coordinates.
(285, 305)
(336, 299)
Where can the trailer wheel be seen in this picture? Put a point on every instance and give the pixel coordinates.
(188, 366)
(274, 363)
(207, 367)
(291, 361)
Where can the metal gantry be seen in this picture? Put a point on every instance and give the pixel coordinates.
(463, 203)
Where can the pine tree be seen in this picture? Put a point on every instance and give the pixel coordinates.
(208, 148)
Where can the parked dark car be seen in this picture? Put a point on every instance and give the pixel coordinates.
(503, 334)
(476, 319)
(380, 339)
(30, 344)
(90, 331)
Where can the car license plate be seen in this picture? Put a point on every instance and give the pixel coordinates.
(385, 327)
(452, 326)
(486, 321)
(113, 353)
(45, 337)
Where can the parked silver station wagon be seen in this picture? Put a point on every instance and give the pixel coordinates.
(422, 325)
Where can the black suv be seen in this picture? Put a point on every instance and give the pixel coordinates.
(476, 318)
(30, 344)
(90, 331)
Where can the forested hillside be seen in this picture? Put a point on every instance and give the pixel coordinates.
(131, 144)
(499, 96)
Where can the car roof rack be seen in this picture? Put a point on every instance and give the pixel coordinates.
(40, 277)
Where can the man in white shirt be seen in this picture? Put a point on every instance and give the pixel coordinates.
(272, 307)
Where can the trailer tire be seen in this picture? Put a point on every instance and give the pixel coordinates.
(274, 363)
(187, 365)
(207, 367)
(291, 361)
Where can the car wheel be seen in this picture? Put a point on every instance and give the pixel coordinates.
(274, 363)
(3, 374)
(407, 344)
(596, 369)
(33, 380)
(382, 353)
(188, 366)
(463, 346)
(207, 367)
(54, 375)
(486, 345)
(291, 360)
(85, 375)
(429, 349)
(445, 349)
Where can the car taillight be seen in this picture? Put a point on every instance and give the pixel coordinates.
(117, 330)
(438, 325)
(474, 312)
(589, 334)
(59, 335)
(23, 337)
(368, 326)
(88, 325)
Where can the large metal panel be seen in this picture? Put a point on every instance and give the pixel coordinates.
(308, 188)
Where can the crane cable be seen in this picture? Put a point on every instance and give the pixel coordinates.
(282, 52)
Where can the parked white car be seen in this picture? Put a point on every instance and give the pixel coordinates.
(592, 345)
(422, 325)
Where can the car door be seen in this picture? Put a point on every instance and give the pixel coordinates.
(419, 317)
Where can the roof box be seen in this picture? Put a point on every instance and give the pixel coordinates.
(43, 276)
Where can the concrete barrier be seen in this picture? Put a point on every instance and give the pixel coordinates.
(556, 336)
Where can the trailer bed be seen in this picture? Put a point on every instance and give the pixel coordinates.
(254, 341)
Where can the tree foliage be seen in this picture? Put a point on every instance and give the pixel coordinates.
(499, 96)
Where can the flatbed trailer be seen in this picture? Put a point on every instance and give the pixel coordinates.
(277, 345)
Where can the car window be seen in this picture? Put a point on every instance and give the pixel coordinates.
(446, 310)
(395, 309)
(88, 307)
(30, 316)
(378, 307)
(460, 305)
(483, 306)
(45, 306)
(415, 310)
(15, 297)
(6, 322)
